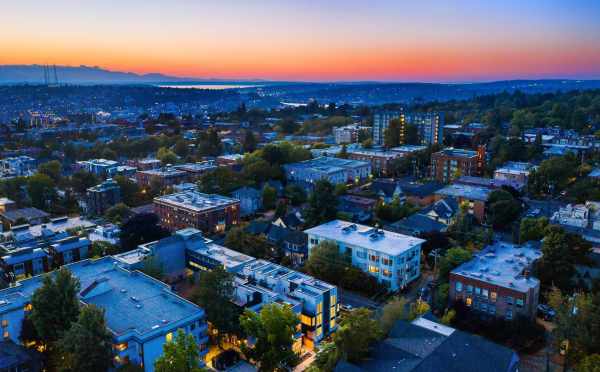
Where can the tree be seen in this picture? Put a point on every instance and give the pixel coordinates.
(322, 204)
(532, 229)
(166, 156)
(242, 241)
(394, 310)
(326, 262)
(273, 330)
(344, 152)
(392, 135)
(340, 189)
(357, 331)
(87, 345)
(222, 181)
(557, 264)
(214, 293)
(288, 126)
(454, 257)
(295, 194)
(394, 210)
(180, 355)
(117, 213)
(502, 209)
(411, 135)
(209, 143)
(51, 169)
(41, 190)
(249, 144)
(181, 148)
(140, 229)
(54, 306)
(81, 180)
(130, 191)
(590, 363)
(269, 197)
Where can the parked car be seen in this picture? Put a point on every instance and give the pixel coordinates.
(546, 312)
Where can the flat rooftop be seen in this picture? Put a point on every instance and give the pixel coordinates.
(462, 153)
(132, 302)
(513, 167)
(326, 162)
(376, 152)
(466, 191)
(196, 201)
(164, 172)
(197, 167)
(227, 257)
(502, 264)
(408, 148)
(387, 242)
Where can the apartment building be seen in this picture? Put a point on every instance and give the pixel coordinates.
(379, 158)
(167, 176)
(318, 300)
(392, 258)
(429, 125)
(257, 282)
(334, 170)
(475, 197)
(196, 170)
(18, 166)
(497, 281)
(514, 173)
(142, 313)
(451, 163)
(349, 133)
(103, 196)
(99, 167)
(68, 250)
(210, 213)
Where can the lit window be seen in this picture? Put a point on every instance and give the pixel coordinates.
(4, 323)
(121, 347)
(6, 334)
(169, 337)
(484, 292)
(493, 296)
(373, 269)
(469, 301)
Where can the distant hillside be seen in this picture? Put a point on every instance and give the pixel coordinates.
(34, 74)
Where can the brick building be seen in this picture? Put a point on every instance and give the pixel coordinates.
(103, 196)
(210, 213)
(167, 176)
(448, 164)
(497, 281)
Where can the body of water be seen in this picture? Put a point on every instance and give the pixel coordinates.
(218, 86)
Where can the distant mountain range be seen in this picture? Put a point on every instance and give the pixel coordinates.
(34, 74)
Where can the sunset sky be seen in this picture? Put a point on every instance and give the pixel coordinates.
(312, 40)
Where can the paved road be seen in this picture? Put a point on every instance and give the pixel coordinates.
(356, 300)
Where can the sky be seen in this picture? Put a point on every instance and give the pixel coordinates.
(311, 40)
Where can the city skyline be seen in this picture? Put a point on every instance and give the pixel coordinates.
(308, 41)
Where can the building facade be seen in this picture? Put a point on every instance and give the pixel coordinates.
(334, 170)
(103, 196)
(429, 125)
(450, 163)
(164, 177)
(210, 213)
(497, 282)
(392, 258)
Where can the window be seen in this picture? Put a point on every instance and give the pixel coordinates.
(484, 293)
(520, 302)
(509, 314)
(319, 307)
(492, 309)
(477, 290)
(386, 261)
(319, 319)
(169, 337)
(4, 323)
(6, 334)
(121, 347)
(493, 296)
(458, 287)
(333, 300)
(469, 301)
(469, 288)
(509, 300)
(387, 273)
(373, 269)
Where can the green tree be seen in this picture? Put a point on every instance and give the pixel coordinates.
(326, 262)
(214, 293)
(130, 191)
(81, 180)
(41, 189)
(273, 330)
(55, 305)
(295, 194)
(166, 156)
(532, 229)
(357, 331)
(392, 135)
(87, 345)
(557, 264)
(140, 229)
(394, 310)
(222, 181)
(590, 363)
(118, 213)
(241, 241)
(51, 169)
(180, 355)
(269, 197)
(411, 135)
(322, 204)
(453, 258)
(502, 209)
(249, 144)
(181, 148)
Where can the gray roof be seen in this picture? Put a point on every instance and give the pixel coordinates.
(25, 213)
(466, 191)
